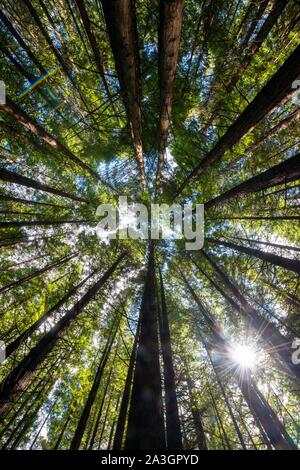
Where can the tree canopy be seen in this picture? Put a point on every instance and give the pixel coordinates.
(134, 343)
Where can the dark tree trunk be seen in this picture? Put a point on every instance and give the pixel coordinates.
(121, 25)
(170, 20)
(172, 417)
(120, 428)
(37, 273)
(256, 402)
(41, 223)
(201, 438)
(13, 346)
(281, 346)
(76, 441)
(23, 118)
(286, 263)
(145, 429)
(277, 88)
(273, 245)
(284, 172)
(11, 177)
(19, 377)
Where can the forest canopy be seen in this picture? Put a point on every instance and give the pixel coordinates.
(136, 343)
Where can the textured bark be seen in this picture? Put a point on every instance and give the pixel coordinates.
(17, 380)
(170, 20)
(284, 172)
(23, 118)
(172, 417)
(120, 20)
(286, 263)
(145, 429)
(276, 89)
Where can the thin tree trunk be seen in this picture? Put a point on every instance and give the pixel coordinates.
(13, 346)
(286, 263)
(18, 378)
(41, 223)
(23, 118)
(172, 417)
(37, 273)
(12, 177)
(284, 172)
(76, 441)
(118, 440)
(145, 429)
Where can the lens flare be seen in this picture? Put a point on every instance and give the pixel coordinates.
(244, 355)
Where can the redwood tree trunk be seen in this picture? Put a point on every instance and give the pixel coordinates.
(145, 429)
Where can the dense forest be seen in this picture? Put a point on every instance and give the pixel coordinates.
(136, 343)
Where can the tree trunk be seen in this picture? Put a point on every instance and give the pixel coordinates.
(170, 20)
(145, 429)
(19, 377)
(41, 223)
(77, 438)
(172, 417)
(23, 118)
(284, 172)
(118, 440)
(277, 88)
(121, 25)
(37, 273)
(286, 263)
(268, 419)
(11, 177)
(13, 346)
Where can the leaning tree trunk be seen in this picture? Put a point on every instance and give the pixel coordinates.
(145, 430)
(23, 118)
(173, 432)
(11, 177)
(275, 430)
(77, 438)
(286, 263)
(277, 88)
(18, 378)
(281, 346)
(120, 428)
(13, 346)
(284, 172)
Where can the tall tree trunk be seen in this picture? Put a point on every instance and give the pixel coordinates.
(77, 438)
(23, 118)
(145, 429)
(120, 428)
(121, 25)
(13, 346)
(281, 346)
(170, 20)
(172, 417)
(19, 377)
(201, 438)
(276, 432)
(12, 177)
(37, 273)
(284, 172)
(41, 223)
(286, 263)
(277, 88)
(273, 245)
